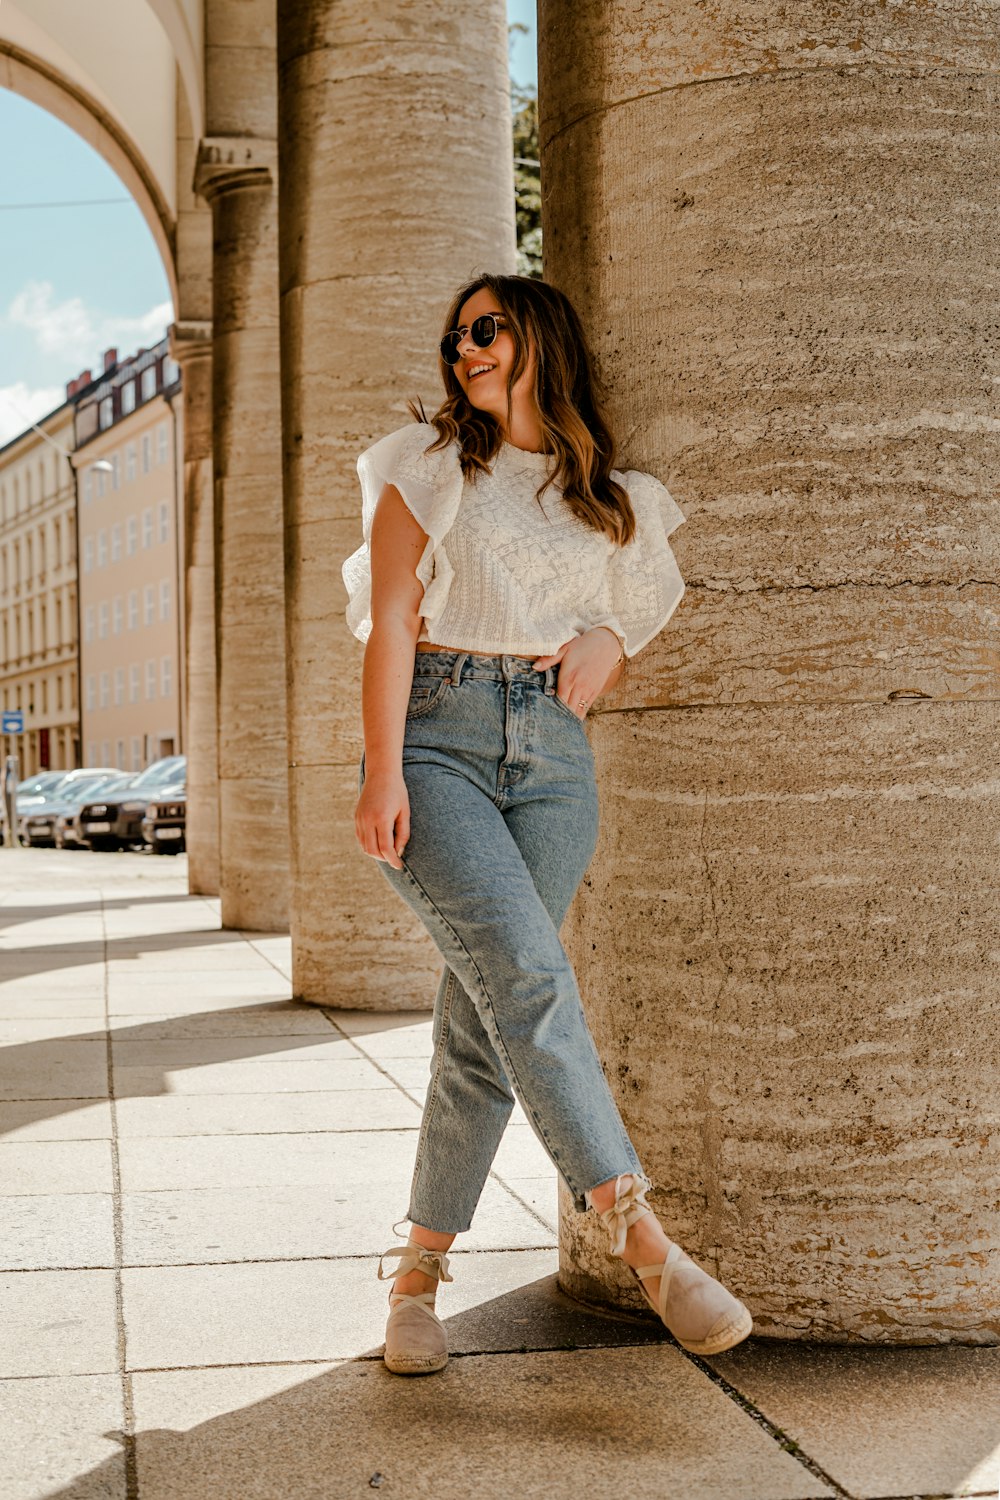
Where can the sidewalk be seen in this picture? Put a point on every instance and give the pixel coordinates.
(197, 1177)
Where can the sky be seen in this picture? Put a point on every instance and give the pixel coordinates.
(76, 280)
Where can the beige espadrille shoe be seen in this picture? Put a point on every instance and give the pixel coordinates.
(415, 1340)
(702, 1316)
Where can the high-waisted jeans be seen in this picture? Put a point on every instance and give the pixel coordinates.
(503, 810)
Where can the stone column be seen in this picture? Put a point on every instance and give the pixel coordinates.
(237, 176)
(191, 347)
(779, 226)
(397, 184)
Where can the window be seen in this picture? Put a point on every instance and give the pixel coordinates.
(116, 471)
(151, 678)
(116, 542)
(128, 397)
(166, 676)
(136, 753)
(120, 755)
(133, 608)
(164, 598)
(149, 604)
(133, 683)
(59, 693)
(88, 623)
(147, 453)
(88, 486)
(119, 614)
(131, 535)
(164, 520)
(120, 689)
(147, 526)
(105, 689)
(161, 443)
(171, 371)
(129, 461)
(148, 382)
(105, 752)
(106, 412)
(102, 620)
(100, 483)
(92, 750)
(102, 548)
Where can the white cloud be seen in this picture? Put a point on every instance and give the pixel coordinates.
(78, 334)
(19, 405)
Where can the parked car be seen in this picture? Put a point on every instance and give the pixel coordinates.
(37, 788)
(37, 824)
(66, 833)
(115, 821)
(163, 827)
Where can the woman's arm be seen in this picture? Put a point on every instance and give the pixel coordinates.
(382, 817)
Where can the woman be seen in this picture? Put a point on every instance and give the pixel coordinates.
(507, 571)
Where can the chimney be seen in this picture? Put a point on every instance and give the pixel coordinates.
(110, 359)
(72, 386)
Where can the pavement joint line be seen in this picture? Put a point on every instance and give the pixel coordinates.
(543, 1223)
(128, 1405)
(261, 1260)
(787, 1444)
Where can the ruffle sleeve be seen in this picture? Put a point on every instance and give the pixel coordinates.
(431, 486)
(644, 582)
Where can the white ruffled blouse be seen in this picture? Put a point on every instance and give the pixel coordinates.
(506, 573)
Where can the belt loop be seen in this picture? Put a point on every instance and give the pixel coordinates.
(550, 681)
(456, 671)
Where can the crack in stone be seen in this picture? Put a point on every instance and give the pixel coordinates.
(841, 583)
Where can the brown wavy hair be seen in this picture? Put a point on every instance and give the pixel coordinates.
(567, 394)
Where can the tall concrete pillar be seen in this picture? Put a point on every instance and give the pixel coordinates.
(777, 227)
(237, 175)
(191, 347)
(397, 184)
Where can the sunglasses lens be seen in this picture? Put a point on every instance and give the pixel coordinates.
(449, 347)
(484, 331)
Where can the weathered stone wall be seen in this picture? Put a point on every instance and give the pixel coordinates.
(781, 230)
(397, 184)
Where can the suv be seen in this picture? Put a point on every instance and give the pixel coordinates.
(37, 822)
(115, 821)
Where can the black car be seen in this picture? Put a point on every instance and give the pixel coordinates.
(115, 822)
(164, 824)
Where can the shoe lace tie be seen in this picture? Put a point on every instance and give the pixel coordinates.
(415, 1258)
(627, 1207)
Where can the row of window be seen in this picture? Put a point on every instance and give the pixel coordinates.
(99, 754)
(34, 696)
(112, 612)
(99, 685)
(49, 470)
(96, 481)
(26, 626)
(18, 557)
(160, 529)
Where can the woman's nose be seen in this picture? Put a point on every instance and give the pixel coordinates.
(466, 345)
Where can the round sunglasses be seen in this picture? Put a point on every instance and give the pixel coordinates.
(482, 333)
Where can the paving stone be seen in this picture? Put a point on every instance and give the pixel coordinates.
(173, 1053)
(321, 1159)
(521, 1154)
(17, 1029)
(58, 1231)
(548, 1426)
(880, 1422)
(55, 1120)
(57, 1323)
(55, 1069)
(285, 1223)
(276, 1019)
(540, 1194)
(248, 1114)
(242, 1077)
(34, 1167)
(85, 1005)
(399, 1041)
(62, 1434)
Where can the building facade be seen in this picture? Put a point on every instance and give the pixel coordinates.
(131, 643)
(38, 618)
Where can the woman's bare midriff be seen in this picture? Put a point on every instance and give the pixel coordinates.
(428, 646)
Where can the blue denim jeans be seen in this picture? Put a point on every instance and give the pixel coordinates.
(503, 809)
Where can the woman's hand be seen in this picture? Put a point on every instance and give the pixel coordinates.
(382, 818)
(585, 665)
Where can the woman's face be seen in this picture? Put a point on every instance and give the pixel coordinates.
(483, 373)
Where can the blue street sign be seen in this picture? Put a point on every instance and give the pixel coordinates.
(13, 721)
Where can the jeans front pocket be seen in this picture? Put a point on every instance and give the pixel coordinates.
(425, 694)
(565, 709)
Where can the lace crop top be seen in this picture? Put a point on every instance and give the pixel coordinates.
(505, 573)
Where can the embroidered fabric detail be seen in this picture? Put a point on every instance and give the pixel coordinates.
(505, 572)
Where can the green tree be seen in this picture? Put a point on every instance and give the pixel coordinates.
(527, 177)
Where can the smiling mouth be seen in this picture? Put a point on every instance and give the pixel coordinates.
(478, 370)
